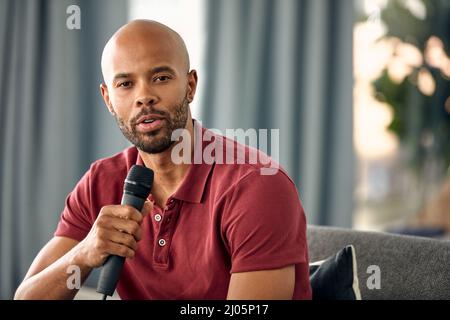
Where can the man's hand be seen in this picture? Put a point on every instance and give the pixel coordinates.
(115, 232)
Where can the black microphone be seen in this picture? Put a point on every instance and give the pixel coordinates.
(137, 186)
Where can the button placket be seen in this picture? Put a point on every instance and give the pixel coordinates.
(164, 236)
(168, 211)
(170, 204)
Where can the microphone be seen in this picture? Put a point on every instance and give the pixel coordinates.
(137, 186)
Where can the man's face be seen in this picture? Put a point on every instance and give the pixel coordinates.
(148, 92)
(154, 137)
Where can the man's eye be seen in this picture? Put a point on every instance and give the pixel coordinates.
(162, 78)
(125, 84)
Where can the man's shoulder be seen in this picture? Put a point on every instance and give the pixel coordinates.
(241, 162)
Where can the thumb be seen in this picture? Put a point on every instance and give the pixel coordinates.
(147, 208)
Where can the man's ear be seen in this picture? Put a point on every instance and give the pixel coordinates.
(105, 95)
(192, 85)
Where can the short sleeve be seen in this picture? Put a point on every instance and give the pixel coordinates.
(76, 218)
(263, 223)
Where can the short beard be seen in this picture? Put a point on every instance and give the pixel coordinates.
(176, 120)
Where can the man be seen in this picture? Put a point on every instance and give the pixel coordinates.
(209, 230)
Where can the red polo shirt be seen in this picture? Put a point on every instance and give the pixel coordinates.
(224, 218)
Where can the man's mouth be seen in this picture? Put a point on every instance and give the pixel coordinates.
(149, 118)
(149, 123)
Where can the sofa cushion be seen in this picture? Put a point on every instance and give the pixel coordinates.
(404, 267)
(336, 278)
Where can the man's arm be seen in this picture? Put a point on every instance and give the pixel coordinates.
(115, 231)
(47, 276)
(273, 284)
(264, 226)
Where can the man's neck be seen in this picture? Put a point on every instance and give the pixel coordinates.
(167, 175)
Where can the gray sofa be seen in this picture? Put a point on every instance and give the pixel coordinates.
(410, 267)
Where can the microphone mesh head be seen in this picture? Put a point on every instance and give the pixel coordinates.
(139, 181)
(140, 174)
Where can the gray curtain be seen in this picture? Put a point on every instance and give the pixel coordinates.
(52, 120)
(287, 64)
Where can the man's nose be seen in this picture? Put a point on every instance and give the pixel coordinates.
(146, 96)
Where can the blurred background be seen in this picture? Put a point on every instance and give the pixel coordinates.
(359, 89)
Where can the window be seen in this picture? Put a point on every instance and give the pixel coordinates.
(402, 115)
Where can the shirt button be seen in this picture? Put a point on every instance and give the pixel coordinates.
(158, 217)
(162, 242)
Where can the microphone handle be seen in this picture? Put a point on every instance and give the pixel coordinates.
(113, 265)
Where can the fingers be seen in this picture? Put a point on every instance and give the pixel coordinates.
(117, 230)
(117, 237)
(120, 250)
(114, 223)
(112, 241)
(125, 212)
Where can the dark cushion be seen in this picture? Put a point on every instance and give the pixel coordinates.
(336, 278)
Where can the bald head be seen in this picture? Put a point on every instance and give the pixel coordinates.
(142, 37)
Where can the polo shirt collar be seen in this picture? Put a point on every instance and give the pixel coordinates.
(193, 185)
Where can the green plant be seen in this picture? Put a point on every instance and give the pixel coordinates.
(419, 90)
